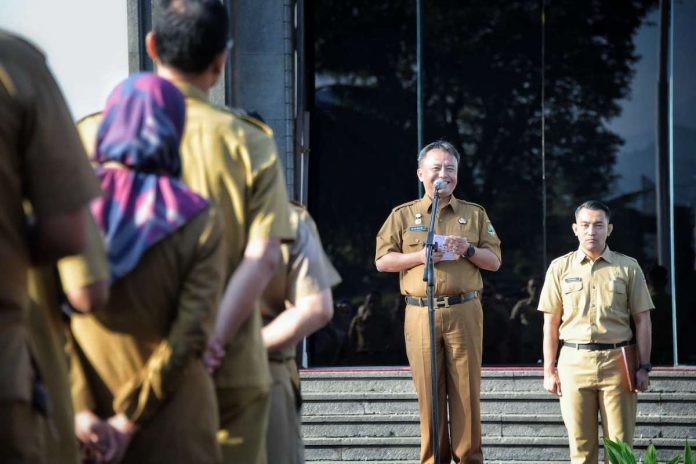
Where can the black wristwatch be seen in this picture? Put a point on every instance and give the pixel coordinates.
(647, 367)
(471, 251)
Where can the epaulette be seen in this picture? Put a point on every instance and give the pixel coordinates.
(252, 118)
(471, 203)
(297, 204)
(404, 205)
(565, 256)
(625, 256)
(266, 129)
(89, 116)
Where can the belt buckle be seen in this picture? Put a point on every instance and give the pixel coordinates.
(442, 304)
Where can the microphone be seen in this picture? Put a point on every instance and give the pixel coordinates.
(439, 184)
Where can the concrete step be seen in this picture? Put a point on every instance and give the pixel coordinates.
(371, 416)
(677, 427)
(505, 449)
(488, 461)
(657, 404)
(395, 380)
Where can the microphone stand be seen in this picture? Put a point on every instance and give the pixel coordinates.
(429, 277)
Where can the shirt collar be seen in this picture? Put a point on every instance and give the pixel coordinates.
(607, 255)
(191, 91)
(425, 204)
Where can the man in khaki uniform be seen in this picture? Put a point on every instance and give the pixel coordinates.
(42, 162)
(471, 244)
(296, 303)
(588, 299)
(230, 159)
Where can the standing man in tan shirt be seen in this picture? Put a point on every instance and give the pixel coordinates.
(469, 244)
(231, 160)
(588, 299)
(296, 303)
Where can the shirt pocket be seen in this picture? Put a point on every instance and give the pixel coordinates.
(572, 294)
(414, 241)
(617, 293)
(467, 230)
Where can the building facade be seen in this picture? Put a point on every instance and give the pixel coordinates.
(550, 103)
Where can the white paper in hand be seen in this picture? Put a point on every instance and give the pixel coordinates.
(446, 255)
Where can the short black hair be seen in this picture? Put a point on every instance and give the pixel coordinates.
(443, 145)
(594, 205)
(189, 34)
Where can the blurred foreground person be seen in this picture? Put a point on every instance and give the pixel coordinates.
(140, 356)
(296, 303)
(43, 164)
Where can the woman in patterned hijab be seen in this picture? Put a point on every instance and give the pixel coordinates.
(137, 363)
(139, 166)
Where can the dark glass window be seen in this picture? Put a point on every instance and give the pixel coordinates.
(491, 69)
(684, 176)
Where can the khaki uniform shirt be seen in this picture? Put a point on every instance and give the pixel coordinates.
(305, 269)
(42, 161)
(138, 351)
(405, 231)
(596, 299)
(231, 160)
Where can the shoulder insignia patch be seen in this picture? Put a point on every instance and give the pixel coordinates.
(491, 230)
(266, 129)
(403, 205)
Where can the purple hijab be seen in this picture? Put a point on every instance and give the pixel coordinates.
(144, 201)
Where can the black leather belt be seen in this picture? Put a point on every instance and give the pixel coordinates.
(595, 346)
(443, 301)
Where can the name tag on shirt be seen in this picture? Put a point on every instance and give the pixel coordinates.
(573, 279)
(418, 228)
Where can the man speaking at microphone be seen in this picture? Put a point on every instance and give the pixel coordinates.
(467, 242)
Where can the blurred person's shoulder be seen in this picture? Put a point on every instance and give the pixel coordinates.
(22, 65)
(14, 47)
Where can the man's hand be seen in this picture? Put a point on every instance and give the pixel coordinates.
(456, 245)
(437, 255)
(124, 429)
(96, 436)
(213, 356)
(642, 380)
(552, 383)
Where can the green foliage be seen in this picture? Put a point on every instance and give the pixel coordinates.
(618, 452)
(650, 456)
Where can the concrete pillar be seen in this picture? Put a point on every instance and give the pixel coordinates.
(262, 71)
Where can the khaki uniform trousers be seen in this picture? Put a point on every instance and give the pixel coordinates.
(458, 337)
(591, 381)
(284, 437)
(21, 434)
(243, 424)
